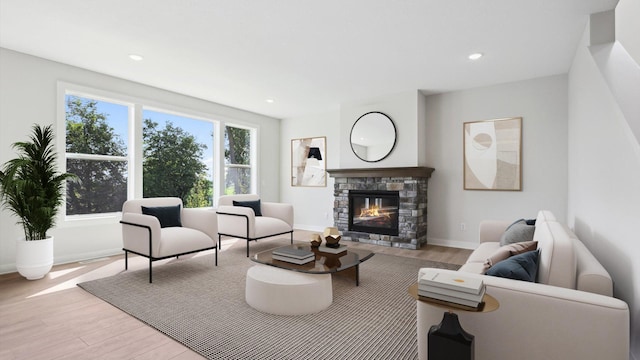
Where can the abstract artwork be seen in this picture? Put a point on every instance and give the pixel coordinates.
(493, 154)
(308, 162)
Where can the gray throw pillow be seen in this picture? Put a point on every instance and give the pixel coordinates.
(517, 232)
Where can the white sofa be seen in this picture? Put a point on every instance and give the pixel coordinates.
(569, 313)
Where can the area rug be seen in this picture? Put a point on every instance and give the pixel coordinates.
(203, 307)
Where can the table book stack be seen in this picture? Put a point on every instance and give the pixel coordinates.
(339, 250)
(293, 255)
(451, 289)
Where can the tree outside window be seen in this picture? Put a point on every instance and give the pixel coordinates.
(178, 155)
(97, 154)
(175, 159)
(237, 160)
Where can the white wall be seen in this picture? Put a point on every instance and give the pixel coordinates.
(28, 93)
(542, 103)
(402, 108)
(430, 134)
(604, 175)
(313, 205)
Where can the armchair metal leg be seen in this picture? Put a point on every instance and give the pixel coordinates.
(219, 241)
(150, 271)
(292, 238)
(216, 256)
(247, 248)
(126, 260)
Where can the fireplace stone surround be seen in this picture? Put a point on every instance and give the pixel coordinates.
(410, 182)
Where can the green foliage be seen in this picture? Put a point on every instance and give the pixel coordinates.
(171, 165)
(104, 185)
(237, 152)
(31, 186)
(201, 194)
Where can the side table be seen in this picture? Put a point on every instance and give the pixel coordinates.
(448, 340)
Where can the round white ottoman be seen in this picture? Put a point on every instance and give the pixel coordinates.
(285, 292)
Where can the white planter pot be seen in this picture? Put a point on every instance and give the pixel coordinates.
(34, 258)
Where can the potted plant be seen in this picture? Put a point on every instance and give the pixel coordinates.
(32, 189)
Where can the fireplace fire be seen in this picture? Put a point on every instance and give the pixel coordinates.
(374, 211)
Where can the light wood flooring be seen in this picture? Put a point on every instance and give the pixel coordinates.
(52, 318)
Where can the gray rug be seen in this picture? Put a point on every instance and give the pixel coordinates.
(203, 307)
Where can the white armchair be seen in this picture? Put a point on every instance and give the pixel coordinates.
(145, 235)
(242, 222)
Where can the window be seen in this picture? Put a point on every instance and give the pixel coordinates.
(178, 158)
(122, 147)
(238, 160)
(96, 151)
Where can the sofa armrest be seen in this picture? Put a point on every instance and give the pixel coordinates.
(236, 221)
(492, 230)
(537, 321)
(591, 276)
(135, 233)
(280, 211)
(203, 219)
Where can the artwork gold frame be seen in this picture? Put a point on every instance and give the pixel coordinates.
(492, 151)
(308, 162)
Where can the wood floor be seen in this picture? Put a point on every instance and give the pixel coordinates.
(52, 318)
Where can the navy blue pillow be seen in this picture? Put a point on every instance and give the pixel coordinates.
(255, 205)
(519, 267)
(169, 216)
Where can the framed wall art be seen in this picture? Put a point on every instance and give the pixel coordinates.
(493, 154)
(308, 162)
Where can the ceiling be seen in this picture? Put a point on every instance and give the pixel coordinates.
(309, 57)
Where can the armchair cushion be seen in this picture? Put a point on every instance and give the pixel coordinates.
(169, 216)
(255, 205)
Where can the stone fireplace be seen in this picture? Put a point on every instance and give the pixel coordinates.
(378, 218)
(374, 211)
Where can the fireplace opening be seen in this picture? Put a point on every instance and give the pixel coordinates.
(374, 211)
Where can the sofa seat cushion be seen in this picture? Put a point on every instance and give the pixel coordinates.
(178, 240)
(483, 251)
(473, 268)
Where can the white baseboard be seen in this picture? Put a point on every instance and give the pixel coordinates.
(316, 228)
(65, 259)
(452, 243)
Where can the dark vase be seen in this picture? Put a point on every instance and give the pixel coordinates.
(449, 341)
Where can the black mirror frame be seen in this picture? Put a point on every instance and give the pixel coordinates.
(395, 136)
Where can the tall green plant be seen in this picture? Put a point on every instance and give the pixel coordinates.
(30, 185)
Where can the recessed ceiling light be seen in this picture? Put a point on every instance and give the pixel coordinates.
(270, 101)
(475, 56)
(135, 57)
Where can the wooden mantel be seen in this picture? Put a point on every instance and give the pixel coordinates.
(416, 171)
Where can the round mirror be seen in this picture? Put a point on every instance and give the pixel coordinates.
(373, 136)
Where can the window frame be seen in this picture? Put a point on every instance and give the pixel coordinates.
(253, 156)
(137, 105)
